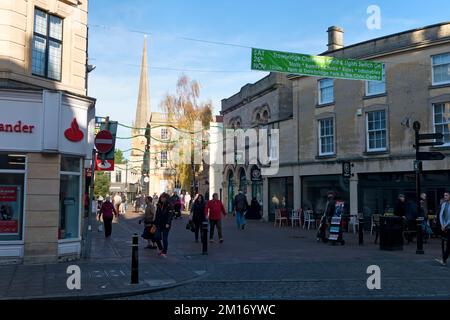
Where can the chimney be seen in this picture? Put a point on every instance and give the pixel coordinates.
(335, 38)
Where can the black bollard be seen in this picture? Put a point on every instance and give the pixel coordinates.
(135, 260)
(361, 231)
(419, 236)
(205, 237)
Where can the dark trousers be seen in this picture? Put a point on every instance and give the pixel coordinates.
(108, 226)
(162, 234)
(197, 228)
(212, 224)
(446, 253)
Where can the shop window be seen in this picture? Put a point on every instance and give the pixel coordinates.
(70, 198)
(12, 185)
(118, 176)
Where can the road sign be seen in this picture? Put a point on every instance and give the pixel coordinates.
(104, 141)
(430, 156)
(431, 136)
(319, 66)
(431, 144)
(112, 127)
(104, 165)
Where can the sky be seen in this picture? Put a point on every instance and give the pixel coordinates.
(117, 28)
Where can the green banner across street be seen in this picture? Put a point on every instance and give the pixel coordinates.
(319, 66)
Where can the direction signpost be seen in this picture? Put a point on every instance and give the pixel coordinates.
(424, 156)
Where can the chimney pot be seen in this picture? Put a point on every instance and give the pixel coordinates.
(335, 38)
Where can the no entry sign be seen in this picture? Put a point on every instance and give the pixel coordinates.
(104, 141)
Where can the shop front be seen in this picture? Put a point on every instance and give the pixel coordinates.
(281, 195)
(45, 139)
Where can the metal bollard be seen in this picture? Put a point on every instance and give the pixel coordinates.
(419, 236)
(361, 231)
(205, 237)
(135, 260)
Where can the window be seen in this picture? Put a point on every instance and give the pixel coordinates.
(70, 201)
(376, 87)
(12, 183)
(326, 91)
(441, 69)
(164, 134)
(376, 131)
(326, 137)
(118, 176)
(442, 120)
(163, 159)
(47, 45)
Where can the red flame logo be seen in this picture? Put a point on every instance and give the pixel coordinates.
(74, 133)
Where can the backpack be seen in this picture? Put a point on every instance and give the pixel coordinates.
(241, 203)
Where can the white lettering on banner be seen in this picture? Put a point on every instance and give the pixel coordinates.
(18, 127)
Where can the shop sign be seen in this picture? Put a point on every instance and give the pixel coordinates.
(9, 209)
(17, 127)
(74, 133)
(256, 174)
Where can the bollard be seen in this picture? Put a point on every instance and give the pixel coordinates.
(205, 237)
(419, 236)
(135, 260)
(361, 231)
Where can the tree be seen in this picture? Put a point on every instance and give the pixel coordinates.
(184, 108)
(102, 183)
(118, 157)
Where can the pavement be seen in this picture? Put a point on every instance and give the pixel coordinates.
(260, 262)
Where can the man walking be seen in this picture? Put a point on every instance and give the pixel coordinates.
(213, 211)
(444, 218)
(240, 206)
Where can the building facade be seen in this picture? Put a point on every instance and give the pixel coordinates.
(46, 131)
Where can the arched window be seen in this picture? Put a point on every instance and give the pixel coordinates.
(243, 181)
(265, 116)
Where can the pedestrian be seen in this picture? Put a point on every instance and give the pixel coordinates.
(108, 212)
(400, 206)
(410, 216)
(163, 222)
(255, 210)
(187, 201)
(148, 219)
(214, 210)
(330, 208)
(444, 218)
(240, 206)
(117, 202)
(197, 215)
(123, 203)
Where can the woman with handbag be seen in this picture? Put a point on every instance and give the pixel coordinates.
(149, 226)
(163, 222)
(197, 216)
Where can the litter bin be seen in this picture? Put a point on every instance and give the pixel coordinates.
(391, 233)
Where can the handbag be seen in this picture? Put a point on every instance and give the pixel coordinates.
(100, 227)
(152, 229)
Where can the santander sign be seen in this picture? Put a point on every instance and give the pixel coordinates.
(74, 133)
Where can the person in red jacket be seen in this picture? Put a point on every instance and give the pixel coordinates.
(213, 211)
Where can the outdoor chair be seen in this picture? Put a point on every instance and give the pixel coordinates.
(295, 216)
(354, 222)
(280, 218)
(309, 218)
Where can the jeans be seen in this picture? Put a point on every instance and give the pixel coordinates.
(240, 219)
(446, 253)
(108, 226)
(164, 235)
(212, 224)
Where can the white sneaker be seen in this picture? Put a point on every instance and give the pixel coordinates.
(441, 262)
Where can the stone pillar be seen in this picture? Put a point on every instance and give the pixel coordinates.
(42, 208)
(354, 194)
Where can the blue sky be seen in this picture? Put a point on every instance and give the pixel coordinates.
(116, 41)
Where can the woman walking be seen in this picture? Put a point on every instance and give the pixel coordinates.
(197, 214)
(163, 222)
(149, 218)
(108, 211)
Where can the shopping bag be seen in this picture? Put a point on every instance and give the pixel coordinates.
(100, 227)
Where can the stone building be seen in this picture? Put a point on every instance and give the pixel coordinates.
(325, 122)
(46, 130)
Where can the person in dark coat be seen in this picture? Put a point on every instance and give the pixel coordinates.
(330, 207)
(197, 214)
(254, 213)
(163, 222)
(400, 206)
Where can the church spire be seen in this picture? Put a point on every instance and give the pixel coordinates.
(142, 110)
